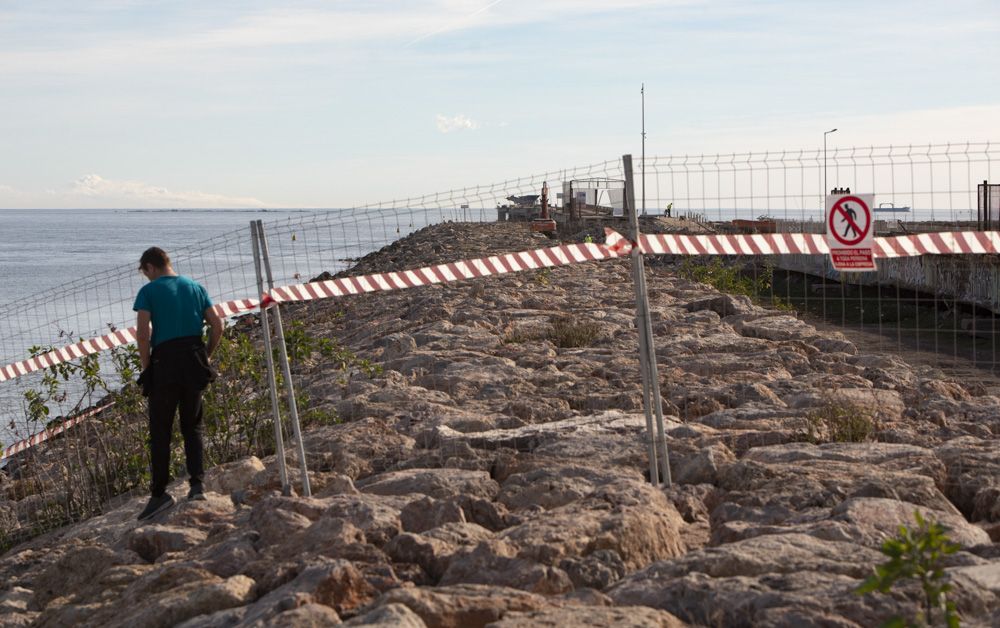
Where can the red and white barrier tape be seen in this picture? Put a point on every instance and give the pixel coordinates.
(562, 255)
(46, 434)
(90, 346)
(959, 243)
(616, 246)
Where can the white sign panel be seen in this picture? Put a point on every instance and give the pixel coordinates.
(850, 231)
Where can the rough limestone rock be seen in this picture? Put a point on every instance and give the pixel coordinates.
(973, 477)
(357, 449)
(875, 519)
(497, 563)
(388, 616)
(587, 617)
(439, 483)
(336, 584)
(67, 576)
(158, 598)
(427, 512)
(234, 476)
(703, 467)
(375, 515)
(633, 519)
(274, 521)
(491, 469)
(305, 616)
(551, 487)
(154, 540)
(462, 606)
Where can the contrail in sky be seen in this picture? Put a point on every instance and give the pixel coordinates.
(452, 25)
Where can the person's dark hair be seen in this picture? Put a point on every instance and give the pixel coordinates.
(154, 256)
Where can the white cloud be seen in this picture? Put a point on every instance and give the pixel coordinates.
(190, 43)
(460, 122)
(94, 190)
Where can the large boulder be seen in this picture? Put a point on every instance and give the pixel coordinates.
(554, 486)
(631, 518)
(497, 563)
(151, 541)
(233, 476)
(590, 617)
(462, 606)
(438, 483)
(973, 476)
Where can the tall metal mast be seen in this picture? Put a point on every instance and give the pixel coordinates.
(642, 91)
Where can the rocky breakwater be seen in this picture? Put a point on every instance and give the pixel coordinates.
(493, 473)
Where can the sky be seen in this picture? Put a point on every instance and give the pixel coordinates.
(316, 104)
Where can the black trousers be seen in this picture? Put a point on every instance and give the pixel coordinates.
(180, 372)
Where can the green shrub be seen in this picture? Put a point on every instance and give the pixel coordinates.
(917, 554)
(108, 456)
(724, 277)
(732, 279)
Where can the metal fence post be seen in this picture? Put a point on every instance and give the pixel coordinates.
(265, 326)
(651, 401)
(293, 410)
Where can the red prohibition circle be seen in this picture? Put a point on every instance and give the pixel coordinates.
(836, 208)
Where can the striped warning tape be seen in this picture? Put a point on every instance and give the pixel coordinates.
(966, 242)
(46, 434)
(615, 246)
(957, 243)
(90, 346)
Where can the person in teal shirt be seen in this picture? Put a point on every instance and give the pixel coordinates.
(171, 311)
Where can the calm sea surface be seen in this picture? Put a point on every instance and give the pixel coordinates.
(42, 249)
(67, 274)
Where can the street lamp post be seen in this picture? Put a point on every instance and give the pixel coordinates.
(826, 190)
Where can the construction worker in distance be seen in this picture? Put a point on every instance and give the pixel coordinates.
(588, 239)
(170, 313)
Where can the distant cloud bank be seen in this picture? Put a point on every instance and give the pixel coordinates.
(108, 193)
(446, 124)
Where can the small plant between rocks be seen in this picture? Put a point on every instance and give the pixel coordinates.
(567, 333)
(724, 277)
(916, 554)
(733, 279)
(836, 422)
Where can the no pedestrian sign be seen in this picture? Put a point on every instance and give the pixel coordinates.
(850, 231)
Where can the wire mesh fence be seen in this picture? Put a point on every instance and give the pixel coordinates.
(111, 462)
(940, 309)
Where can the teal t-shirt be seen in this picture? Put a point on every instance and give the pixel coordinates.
(176, 305)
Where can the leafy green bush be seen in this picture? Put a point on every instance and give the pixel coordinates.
(732, 279)
(108, 456)
(724, 277)
(917, 554)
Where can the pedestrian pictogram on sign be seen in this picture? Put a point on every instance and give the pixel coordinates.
(849, 231)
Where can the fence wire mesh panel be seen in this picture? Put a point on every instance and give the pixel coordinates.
(937, 309)
(934, 309)
(64, 487)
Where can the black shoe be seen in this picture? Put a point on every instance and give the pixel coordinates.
(197, 493)
(156, 505)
